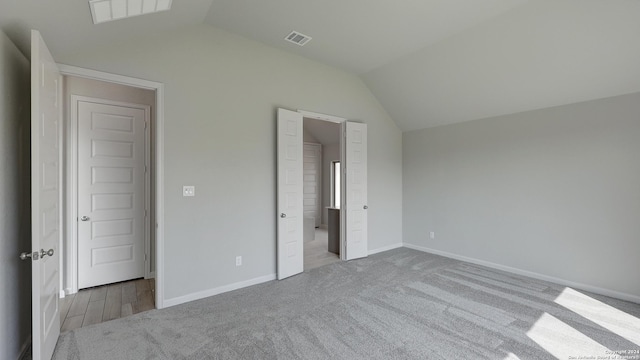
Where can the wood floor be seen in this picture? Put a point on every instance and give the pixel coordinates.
(108, 302)
(316, 253)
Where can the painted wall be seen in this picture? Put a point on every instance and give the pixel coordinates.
(552, 191)
(103, 90)
(308, 137)
(15, 218)
(222, 92)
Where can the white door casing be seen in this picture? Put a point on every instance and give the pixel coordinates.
(45, 198)
(290, 257)
(158, 180)
(112, 185)
(354, 185)
(312, 173)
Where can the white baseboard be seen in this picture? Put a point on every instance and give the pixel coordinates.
(66, 292)
(385, 248)
(25, 349)
(215, 291)
(576, 285)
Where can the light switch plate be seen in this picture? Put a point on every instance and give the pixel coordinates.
(189, 190)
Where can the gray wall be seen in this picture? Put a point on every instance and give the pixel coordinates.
(222, 92)
(109, 91)
(15, 237)
(554, 191)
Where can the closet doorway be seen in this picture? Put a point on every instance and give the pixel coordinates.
(321, 150)
(349, 220)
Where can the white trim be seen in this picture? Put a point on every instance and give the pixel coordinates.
(148, 120)
(72, 183)
(219, 290)
(559, 281)
(159, 205)
(343, 192)
(158, 135)
(61, 180)
(385, 248)
(318, 116)
(71, 213)
(112, 78)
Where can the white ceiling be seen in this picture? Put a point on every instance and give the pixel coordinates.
(356, 35)
(326, 132)
(429, 62)
(541, 54)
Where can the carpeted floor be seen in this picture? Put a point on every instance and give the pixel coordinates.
(400, 304)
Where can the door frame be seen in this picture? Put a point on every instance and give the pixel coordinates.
(72, 179)
(343, 214)
(157, 133)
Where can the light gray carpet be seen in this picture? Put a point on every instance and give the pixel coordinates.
(401, 304)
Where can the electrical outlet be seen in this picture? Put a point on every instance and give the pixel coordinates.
(238, 260)
(188, 191)
(432, 235)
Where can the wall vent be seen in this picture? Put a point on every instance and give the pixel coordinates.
(298, 38)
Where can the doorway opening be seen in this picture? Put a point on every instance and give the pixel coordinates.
(351, 233)
(110, 195)
(321, 153)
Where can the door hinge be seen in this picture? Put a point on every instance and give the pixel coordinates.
(146, 124)
(145, 169)
(145, 257)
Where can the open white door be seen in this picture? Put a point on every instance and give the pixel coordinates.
(354, 183)
(290, 204)
(45, 198)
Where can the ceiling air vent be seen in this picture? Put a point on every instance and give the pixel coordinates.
(298, 38)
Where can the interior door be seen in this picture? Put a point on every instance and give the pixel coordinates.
(354, 207)
(111, 192)
(290, 194)
(45, 198)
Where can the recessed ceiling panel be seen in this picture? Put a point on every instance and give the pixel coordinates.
(109, 10)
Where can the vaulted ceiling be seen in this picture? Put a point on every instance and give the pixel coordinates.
(429, 62)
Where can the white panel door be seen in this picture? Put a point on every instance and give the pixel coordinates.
(111, 193)
(312, 181)
(355, 207)
(45, 198)
(290, 194)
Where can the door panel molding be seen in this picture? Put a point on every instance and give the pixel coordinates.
(290, 256)
(131, 125)
(354, 188)
(46, 205)
(73, 156)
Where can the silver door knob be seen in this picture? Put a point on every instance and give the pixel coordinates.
(283, 215)
(46, 253)
(26, 255)
(85, 218)
(365, 207)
